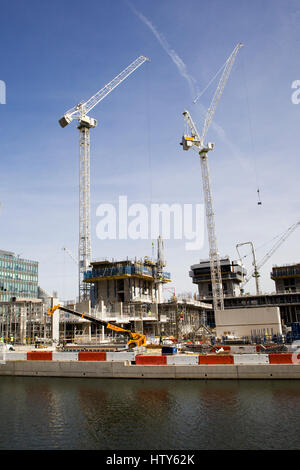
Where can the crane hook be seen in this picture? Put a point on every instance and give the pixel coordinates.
(259, 203)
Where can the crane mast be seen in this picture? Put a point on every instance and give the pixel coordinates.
(215, 267)
(160, 263)
(79, 112)
(214, 258)
(195, 141)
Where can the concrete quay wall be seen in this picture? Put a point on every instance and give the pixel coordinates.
(117, 370)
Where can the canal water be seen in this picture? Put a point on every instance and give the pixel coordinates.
(111, 414)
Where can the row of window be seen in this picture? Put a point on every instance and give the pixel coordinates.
(19, 266)
(18, 287)
(21, 277)
(6, 297)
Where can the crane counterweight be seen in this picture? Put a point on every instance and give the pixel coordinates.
(65, 120)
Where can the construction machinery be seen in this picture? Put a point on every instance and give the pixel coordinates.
(70, 254)
(255, 272)
(135, 339)
(260, 264)
(80, 112)
(195, 141)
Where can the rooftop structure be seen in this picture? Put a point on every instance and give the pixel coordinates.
(126, 281)
(286, 277)
(232, 274)
(286, 297)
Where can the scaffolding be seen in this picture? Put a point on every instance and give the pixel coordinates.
(24, 322)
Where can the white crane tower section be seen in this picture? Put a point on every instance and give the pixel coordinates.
(80, 112)
(195, 141)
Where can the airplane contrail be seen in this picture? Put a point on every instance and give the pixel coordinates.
(181, 66)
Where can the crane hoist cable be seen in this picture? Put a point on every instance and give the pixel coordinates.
(254, 162)
(211, 81)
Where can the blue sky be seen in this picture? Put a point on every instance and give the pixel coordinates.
(55, 54)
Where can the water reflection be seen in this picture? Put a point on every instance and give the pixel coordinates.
(49, 413)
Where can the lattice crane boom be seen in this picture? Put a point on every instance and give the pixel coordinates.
(268, 255)
(218, 93)
(82, 109)
(70, 254)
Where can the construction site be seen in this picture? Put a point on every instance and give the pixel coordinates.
(122, 307)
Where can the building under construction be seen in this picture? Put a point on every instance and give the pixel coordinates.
(24, 321)
(130, 292)
(286, 296)
(127, 292)
(232, 277)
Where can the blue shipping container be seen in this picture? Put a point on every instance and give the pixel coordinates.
(169, 350)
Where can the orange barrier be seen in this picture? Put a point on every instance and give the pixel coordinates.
(39, 356)
(151, 360)
(215, 359)
(92, 356)
(282, 358)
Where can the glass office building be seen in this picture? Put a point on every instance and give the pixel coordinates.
(18, 277)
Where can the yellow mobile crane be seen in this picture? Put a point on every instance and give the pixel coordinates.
(135, 339)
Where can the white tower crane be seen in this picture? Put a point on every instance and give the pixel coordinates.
(196, 142)
(257, 266)
(80, 112)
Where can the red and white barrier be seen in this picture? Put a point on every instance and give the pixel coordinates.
(182, 360)
(120, 356)
(64, 356)
(14, 356)
(251, 359)
(69, 356)
(216, 359)
(284, 358)
(151, 360)
(176, 359)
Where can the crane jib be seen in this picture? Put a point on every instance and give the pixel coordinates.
(99, 322)
(85, 316)
(83, 108)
